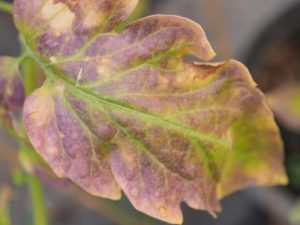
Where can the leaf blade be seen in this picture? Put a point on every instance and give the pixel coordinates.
(164, 130)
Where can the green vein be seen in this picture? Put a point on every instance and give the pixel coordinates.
(78, 55)
(86, 127)
(137, 142)
(140, 65)
(113, 105)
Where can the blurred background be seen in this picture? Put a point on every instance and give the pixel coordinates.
(264, 35)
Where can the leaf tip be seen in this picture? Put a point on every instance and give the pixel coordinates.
(212, 54)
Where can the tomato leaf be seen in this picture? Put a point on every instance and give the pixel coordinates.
(11, 88)
(125, 111)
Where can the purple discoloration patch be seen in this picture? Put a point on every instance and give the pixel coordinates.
(81, 20)
(153, 189)
(67, 144)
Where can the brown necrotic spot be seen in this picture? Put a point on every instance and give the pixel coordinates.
(72, 4)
